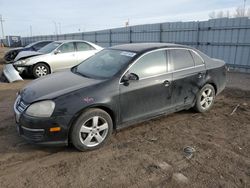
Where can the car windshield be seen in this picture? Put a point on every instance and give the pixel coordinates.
(49, 47)
(104, 64)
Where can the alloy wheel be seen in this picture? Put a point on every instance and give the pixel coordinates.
(93, 131)
(206, 98)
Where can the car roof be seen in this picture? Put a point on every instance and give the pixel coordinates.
(43, 41)
(143, 47)
(71, 41)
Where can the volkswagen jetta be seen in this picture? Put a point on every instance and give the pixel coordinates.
(115, 88)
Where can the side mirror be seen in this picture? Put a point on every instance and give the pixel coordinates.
(57, 52)
(129, 77)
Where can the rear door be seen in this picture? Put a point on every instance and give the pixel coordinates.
(151, 94)
(188, 75)
(84, 51)
(65, 58)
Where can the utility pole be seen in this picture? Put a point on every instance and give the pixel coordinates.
(55, 27)
(1, 20)
(31, 30)
(244, 7)
(59, 24)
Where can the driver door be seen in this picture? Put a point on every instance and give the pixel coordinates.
(151, 93)
(64, 57)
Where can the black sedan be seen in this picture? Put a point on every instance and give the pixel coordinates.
(115, 88)
(11, 54)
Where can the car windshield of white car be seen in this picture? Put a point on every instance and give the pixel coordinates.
(49, 47)
(104, 64)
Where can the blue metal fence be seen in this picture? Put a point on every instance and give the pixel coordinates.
(225, 38)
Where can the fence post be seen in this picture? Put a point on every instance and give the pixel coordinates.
(160, 33)
(110, 38)
(236, 46)
(95, 38)
(82, 35)
(130, 35)
(198, 35)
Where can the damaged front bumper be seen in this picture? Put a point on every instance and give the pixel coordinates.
(11, 73)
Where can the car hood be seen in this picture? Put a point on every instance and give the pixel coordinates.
(19, 48)
(26, 54)
(55, 85)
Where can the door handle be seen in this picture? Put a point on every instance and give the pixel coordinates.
(166, 83)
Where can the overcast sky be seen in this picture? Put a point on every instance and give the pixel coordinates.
(89, 15)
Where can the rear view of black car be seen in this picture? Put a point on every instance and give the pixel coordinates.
(115, 88)
(11, 54)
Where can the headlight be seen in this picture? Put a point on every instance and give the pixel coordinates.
(41, 109)
(21, 62)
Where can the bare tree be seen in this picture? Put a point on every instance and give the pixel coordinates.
(248, 13)
(212, 15)
(239, 12)
(220, 14)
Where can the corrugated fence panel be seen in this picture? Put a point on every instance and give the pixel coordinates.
(90, 36)
(145, 33)
(103, 36)
(120, 36)
(227, 39)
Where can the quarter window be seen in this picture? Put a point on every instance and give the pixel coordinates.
(150, 65)
(81, 46)
(181, 59)
(197, 59)
(67, 47)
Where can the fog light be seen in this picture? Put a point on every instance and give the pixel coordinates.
(55, 129)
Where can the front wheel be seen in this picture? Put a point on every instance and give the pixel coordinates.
(205, 98)
(91, 130)
(40, 70)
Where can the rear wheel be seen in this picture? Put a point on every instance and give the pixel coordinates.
(205, 98)
(40, 69)
(91, 130)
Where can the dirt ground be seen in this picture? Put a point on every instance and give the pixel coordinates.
(149, 154)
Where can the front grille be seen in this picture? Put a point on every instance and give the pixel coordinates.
(33, 134)
(21, 106)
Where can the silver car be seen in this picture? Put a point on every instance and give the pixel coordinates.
(56, 56)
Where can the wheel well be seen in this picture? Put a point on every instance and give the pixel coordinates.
(42, 63)
(215, 87)
(106, 109)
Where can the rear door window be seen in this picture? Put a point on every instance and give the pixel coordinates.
(197, 59)
(82, 46)
(151, 64)
(181, 59)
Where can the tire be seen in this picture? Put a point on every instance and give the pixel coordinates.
(205, 99)
(40, 69)
(91, 130)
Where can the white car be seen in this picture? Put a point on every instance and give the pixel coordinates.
(56, 56)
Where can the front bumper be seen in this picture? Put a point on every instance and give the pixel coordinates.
(10, 73)
(37, 130)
